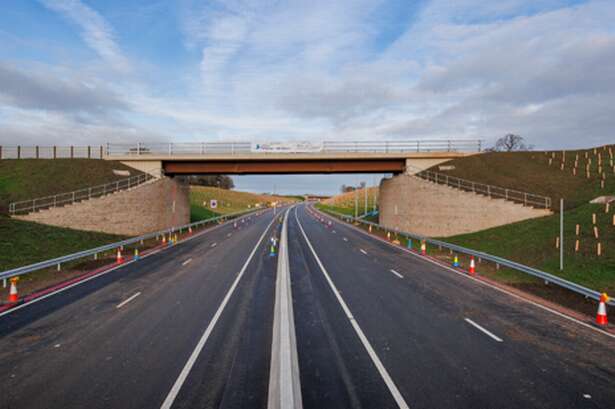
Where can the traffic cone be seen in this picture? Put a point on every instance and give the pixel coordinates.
(456, 261)
(136, 254)
(164, 239)
(601, 318)
(423, 249)
(389, 236)
(13, 296)
(189, 229)
(119, 257)
(472, 270)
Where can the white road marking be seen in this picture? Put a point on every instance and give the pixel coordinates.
(168, 402)
(284, 383)
(345, 239)
(186, 262)
(483, 330)
(363, 251)
(129, 299)
(399, 399)
(494, 287)
(214, 244)
(396, 273)
(126, 263)
(229, 235)
(333, 231)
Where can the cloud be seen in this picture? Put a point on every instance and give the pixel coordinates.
(95, 31)
(49, 90)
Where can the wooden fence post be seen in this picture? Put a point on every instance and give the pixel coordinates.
(72, 151)
(0, 151)
(101, 151)
(37, 152)
(55, 153)
(89, 152)
(18, 152)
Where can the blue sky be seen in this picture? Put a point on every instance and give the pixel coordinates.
(84, 71)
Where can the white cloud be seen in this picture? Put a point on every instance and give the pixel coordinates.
(96, 31)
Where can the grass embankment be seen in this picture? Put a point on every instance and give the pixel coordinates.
(533, 242)
(229, 201)
(24, 179)
(345, 202)
(23, 243)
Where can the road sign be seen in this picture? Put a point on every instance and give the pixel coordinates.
(213, 203)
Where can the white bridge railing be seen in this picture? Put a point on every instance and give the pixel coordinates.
(238, 148)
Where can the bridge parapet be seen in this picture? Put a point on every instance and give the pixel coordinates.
(206, 149)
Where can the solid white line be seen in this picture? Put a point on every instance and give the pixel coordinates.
(478, 281)
(396, 273)
(483, 330)
(399, 399)
(168, 402)
(284, 383)
(363, 251)
(127, 300)
(186, 262)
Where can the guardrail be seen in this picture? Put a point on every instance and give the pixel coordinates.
(62, 199)
(113, 246)
(235, 148)
(51, 152)
(547, 277)
(525, 198)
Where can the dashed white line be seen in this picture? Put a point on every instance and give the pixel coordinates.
(229, 235)
(187, 262)
(483, 330)
(129, 299)
(214, 244)
(399, 399)
(168, 402)
(363, 251)
(396, 273)
(345, 239)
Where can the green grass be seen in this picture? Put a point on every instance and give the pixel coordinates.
(24, 179)
(229, 201)
(23, 243)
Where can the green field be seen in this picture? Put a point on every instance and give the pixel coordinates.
(229, 201)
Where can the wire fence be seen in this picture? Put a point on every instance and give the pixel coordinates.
(51, 152)
(525, 198)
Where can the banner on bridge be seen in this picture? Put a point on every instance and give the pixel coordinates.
(287, 147)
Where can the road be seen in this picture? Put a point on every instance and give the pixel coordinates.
(335, 319)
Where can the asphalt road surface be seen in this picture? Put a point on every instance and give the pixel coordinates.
(335, 319)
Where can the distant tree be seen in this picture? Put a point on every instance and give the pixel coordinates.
(511, 142)
(346, 189)
(221, 181)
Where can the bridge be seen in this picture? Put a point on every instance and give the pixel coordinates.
(290, 157)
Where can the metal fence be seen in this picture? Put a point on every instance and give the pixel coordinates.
(113, 246)
(546, 277)
(67, 198)
(525, 198)
(51, 152)
(233, 148)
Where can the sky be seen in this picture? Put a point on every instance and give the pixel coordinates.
(94, 71)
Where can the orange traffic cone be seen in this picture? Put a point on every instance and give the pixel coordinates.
(13, 296)
(601, 318)
(119, 257)
(189, 230)
(472, 270)
(423, 249)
